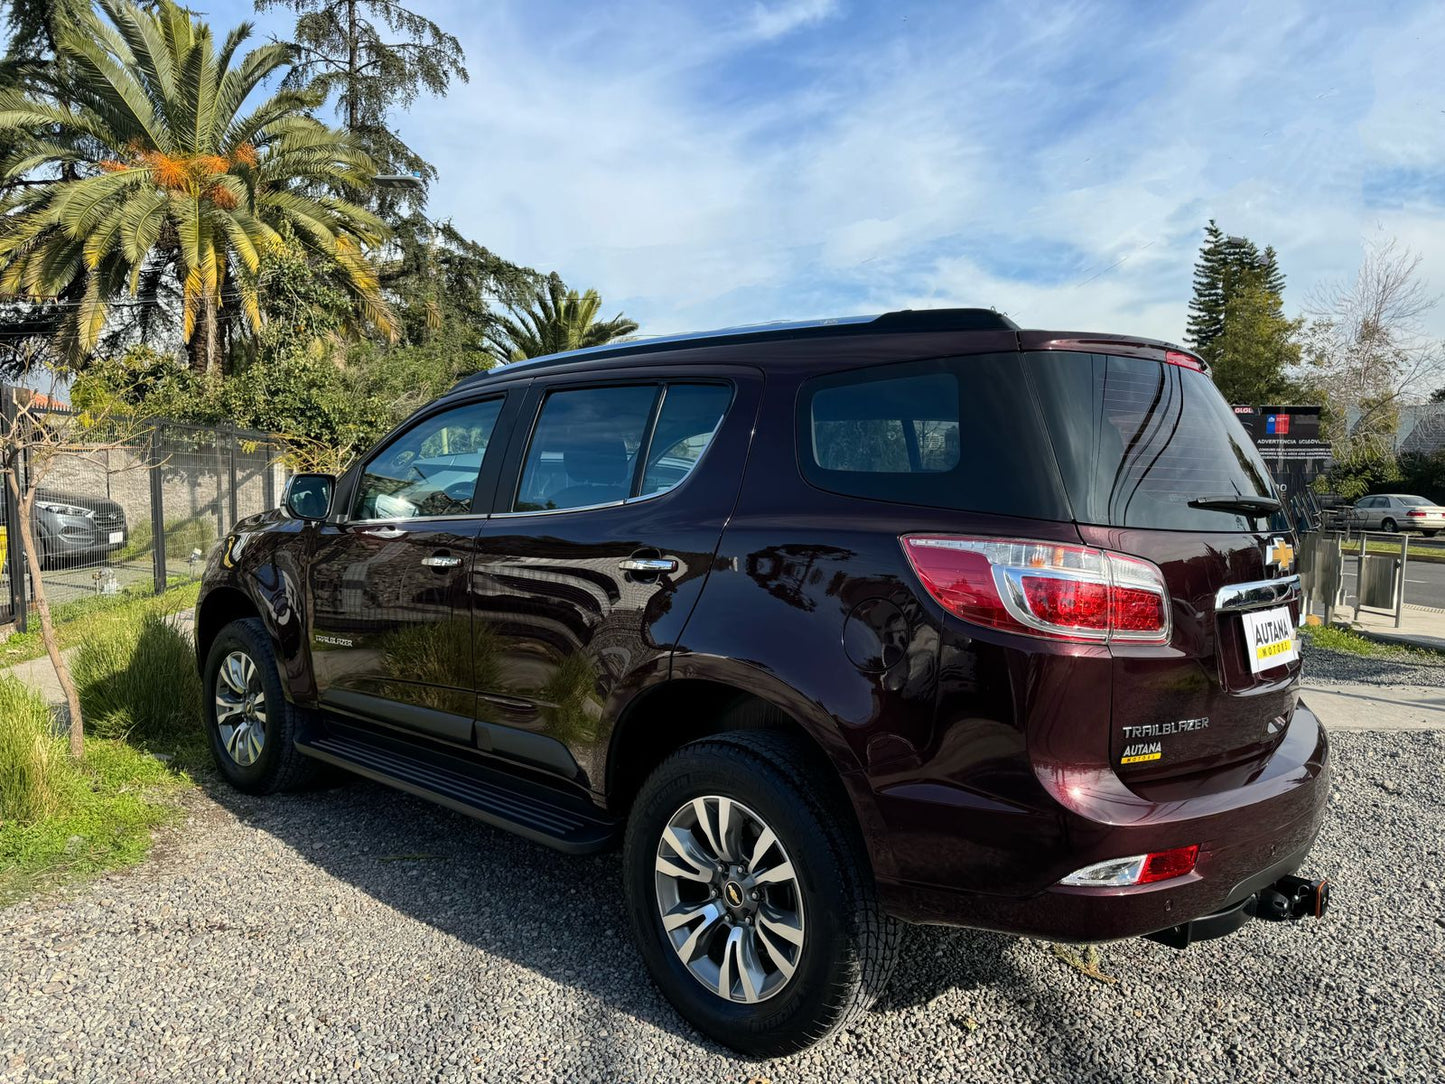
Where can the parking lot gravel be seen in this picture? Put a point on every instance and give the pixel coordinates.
(1393, 666)
(358, 934)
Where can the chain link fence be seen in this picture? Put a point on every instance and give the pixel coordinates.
(135, 518)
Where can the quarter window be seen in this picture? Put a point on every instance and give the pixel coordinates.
(431, 469)
(686, 424)
(958, 433)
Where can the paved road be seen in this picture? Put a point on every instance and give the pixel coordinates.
(358, 934)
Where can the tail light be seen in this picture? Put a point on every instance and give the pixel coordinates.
(1137, 869)
(1048, 589)
(1416, 512)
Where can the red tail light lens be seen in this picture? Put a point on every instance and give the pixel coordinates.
(1043, 588)
(1416, 512)
(1162, 865)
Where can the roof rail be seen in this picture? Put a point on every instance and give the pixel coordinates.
(902, 320)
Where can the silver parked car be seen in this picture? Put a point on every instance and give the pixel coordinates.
(1397, 512)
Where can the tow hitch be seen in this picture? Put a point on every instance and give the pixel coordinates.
(1286, 900)
(1290, 898)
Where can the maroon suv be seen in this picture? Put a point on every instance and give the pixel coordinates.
(918, 617)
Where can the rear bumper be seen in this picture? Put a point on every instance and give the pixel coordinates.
(1249, 838)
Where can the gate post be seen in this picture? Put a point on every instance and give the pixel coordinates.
(14, 551)
(158, 514)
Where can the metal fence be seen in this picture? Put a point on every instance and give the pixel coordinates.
(134, 518)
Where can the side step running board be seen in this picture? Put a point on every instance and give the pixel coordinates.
(497, 798)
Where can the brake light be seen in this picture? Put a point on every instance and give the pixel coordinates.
(1136, 869)
(1416, 512)
(1048, 589)
(1188, 361)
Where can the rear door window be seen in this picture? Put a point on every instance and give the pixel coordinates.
(958, 433)
(1137, 440)
(588, 445)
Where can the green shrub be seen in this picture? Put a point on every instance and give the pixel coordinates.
(32, 757)
(138, 679)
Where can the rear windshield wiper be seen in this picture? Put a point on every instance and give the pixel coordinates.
(1238, 502)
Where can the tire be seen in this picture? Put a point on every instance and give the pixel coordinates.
(275, 765)
(1429, 534)
(848, 945)
(1389, 526)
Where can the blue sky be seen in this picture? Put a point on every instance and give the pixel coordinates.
(711, 164)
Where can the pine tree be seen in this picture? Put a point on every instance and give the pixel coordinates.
(1206, 310)
(1227, 267)
(372, 69)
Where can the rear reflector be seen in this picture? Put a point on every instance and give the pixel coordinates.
(1137, 869)
(1048, 589)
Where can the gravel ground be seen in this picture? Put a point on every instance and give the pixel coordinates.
(362, 935)
(1397, 666)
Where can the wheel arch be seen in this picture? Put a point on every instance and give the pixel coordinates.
(666, 716)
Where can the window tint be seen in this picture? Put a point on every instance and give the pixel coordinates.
(888, 426)
(431, 469)
(957, 433)
(1137, 440)
(584, 447)
(689, 417)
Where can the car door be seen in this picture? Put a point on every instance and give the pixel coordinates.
(606, 521)
(391, 637)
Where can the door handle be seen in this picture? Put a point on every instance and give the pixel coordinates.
(648, 565)
(441, 560)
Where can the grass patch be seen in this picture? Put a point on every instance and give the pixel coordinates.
(82, 618)
(60, 820)
(1333, 638)
(138, 680)
(31, 756)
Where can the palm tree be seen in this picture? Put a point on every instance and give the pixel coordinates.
(161, 176)
(553, 319)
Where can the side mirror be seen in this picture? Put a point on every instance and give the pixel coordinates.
(308, 496)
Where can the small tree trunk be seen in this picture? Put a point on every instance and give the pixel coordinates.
(26, 506)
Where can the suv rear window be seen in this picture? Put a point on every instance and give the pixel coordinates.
(1136, 440)
(918, 433)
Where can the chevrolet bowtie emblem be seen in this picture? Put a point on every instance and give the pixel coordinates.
(1278, 556)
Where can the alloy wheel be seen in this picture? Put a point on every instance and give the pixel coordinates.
(241, 708)
(729, 899)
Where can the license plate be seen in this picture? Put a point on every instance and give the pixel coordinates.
(1269, 638)
(117, 537)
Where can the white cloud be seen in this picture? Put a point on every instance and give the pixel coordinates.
(774, 20)
(700, 167)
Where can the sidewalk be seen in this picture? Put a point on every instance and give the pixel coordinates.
(1422, 626)
(1375, 707)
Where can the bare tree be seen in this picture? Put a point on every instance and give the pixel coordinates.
(1366, 350)
(33, 437)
